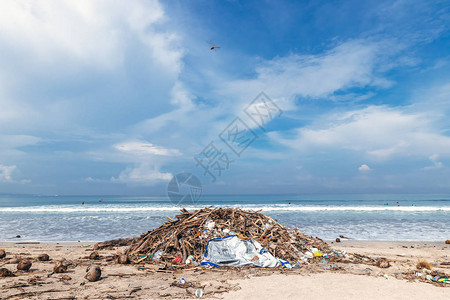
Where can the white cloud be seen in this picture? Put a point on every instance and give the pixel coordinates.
(147, 159)
(142, 148)
(144, 174)
(10, 145)
(84, 31)
(436, 163)
(350, 64)
(74, 57)
(380, 132)
(364, 168)
(355, 63)
(16, 141)
(86, 43)
(92, 180)
(144, 161)
(183, 116)
(6, 173)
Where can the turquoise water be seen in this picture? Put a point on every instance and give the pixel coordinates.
(363, 217)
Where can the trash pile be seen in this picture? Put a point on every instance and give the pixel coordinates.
(194, 236)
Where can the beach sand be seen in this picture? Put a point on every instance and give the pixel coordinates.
(146, 281)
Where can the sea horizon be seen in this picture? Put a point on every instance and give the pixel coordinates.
(378, 217)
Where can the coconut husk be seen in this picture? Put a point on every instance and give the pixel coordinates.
(122, 259)
(24, 265)
(93, 273)
(94, 255)
(43, 257)
(383, 263)
(4, 272)
(60, 267)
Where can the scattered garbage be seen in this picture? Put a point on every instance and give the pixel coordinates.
(233, 251)
(182, 281)
(191, 260)
(435, 276)
(177, 260)
(447, 242)
(158, 254)
(316, 252)
(2, 253)
(199, 293)
(189, 234)
(210, 225)
(184, 241)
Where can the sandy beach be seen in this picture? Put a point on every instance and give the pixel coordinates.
(151, 281)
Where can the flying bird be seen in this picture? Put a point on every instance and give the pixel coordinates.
(213, 46)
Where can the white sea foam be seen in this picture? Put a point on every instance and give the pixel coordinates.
(111, 208)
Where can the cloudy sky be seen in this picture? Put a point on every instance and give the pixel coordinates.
(116, 97)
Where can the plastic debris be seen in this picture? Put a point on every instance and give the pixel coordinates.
(191, 260)
(157, 255)
(199, 293)
(210, 225)
(177, 260)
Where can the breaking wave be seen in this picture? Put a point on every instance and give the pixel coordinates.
(111, 208)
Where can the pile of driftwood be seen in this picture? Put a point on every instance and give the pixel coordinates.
(189, 233)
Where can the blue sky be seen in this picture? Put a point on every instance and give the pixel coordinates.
(106, 97)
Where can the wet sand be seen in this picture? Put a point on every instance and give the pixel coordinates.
(147, 281)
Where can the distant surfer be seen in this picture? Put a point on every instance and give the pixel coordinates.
(101, 200)
(82, 203)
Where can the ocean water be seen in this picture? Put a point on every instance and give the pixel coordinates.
(361, 217)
